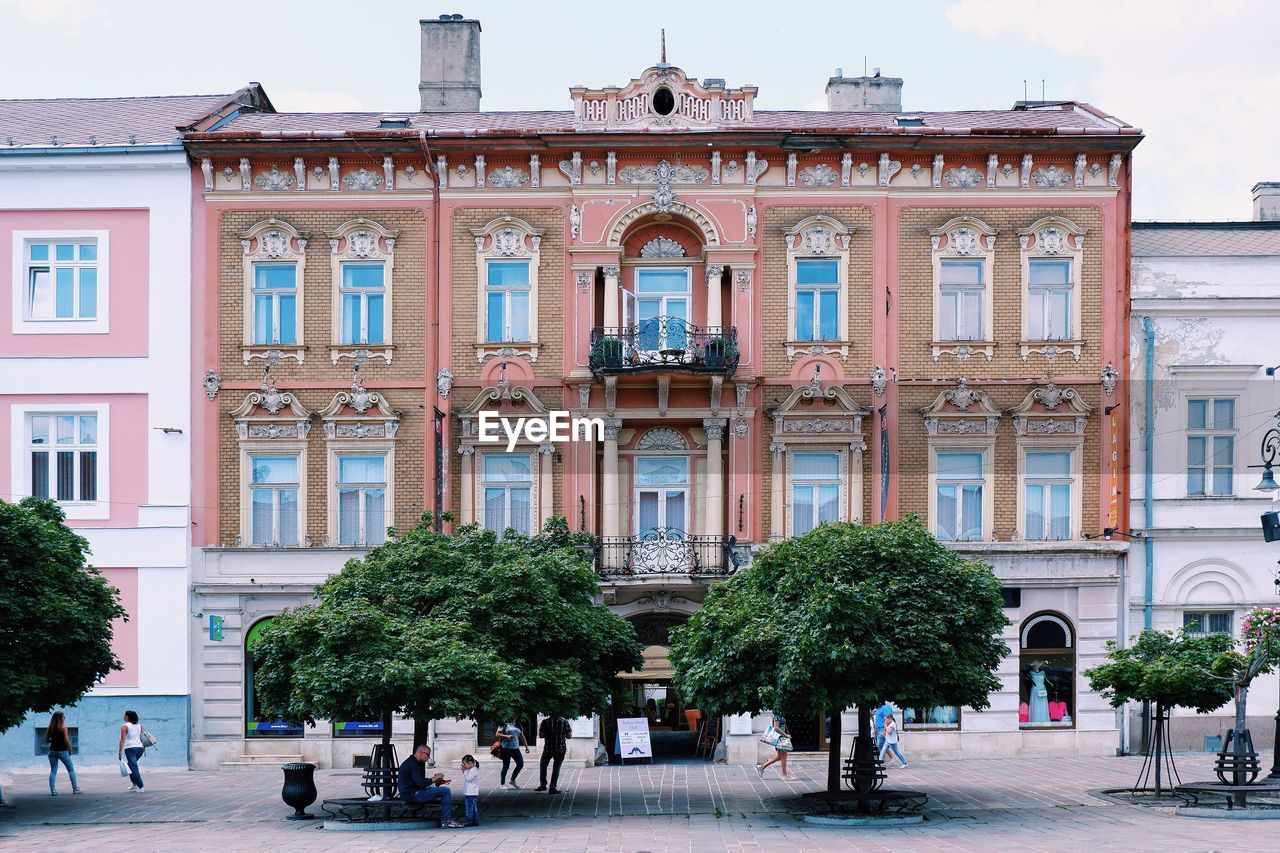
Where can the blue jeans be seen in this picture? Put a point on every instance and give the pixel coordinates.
(884, 750)
(438, 792)
(65, 758)
(472, 804)
(131, 756)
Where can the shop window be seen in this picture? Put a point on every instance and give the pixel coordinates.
(1211, 437)
(258, 721)
(1047, 673)
(1202, 622)
(42, 745)
(363, 727)
(487, 730)
(937, 718)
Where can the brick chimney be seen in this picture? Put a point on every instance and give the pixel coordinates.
(450, 79)
(874, 94)
(1266, 201)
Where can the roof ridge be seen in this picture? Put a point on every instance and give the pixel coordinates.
(117, 98)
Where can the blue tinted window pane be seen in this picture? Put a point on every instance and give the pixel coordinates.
(88, 292)
(1196, 410)
(971, 511)
(520, 315)
(495, 321)
(1060, 511)
(507, 467)
(274, 275)
(508, 272)
(275, 469)
(1195, 481)
(946, 526)
(802, 509)
(288, 320)
(817, 272)
(361, 469)
(1049, 464)
(962, 272)
(828, 503)
(1195, 450)
(64, 252)
(959, 466)
(66, 292)
(1224, 414)
(351, 318)
(262, 319)
(362, 275)
(804, 315)
(88, 251)
(815, 466)
(828, 315)
(659, 471)
(40, 252)
(1050, 272)
(1035, 511)
(375, 322)
(662, 281)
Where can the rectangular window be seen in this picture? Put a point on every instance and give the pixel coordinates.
(507, 301)
(1211, 437)
(63, 451)
(507, 486)
(62, 280)
(275, 303)
(1049, 293)
(817, 300)
(1208, 622)
(363, 304)
(362, 500)
(1048, 495)
(939, 717)
(815, 490)
(962, 294)
(959, 497)
(273, 498)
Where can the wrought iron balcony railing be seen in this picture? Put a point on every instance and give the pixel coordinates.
(666, 550)
(664, 343)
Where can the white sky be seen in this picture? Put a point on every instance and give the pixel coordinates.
(1200, 78)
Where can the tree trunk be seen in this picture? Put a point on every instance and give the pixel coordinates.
(834, 753)
(386, 734)
(1239, 777)
(1158, 751)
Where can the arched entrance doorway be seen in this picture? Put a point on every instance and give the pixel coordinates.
(649, 693)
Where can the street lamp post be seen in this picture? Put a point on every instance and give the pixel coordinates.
(1270, 449)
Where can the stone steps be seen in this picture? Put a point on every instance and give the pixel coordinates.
(257, 762)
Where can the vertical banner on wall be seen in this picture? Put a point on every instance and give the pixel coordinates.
(884, 461)
(1113, 471)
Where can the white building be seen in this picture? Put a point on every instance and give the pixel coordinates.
(1206, 302)
(96, 378)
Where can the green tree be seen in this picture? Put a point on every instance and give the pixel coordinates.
(1168, 670)
(55, 613)
(847, 614)
(442, 625)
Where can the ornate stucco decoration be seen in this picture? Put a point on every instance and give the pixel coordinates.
(212, 383)
(879, 380)
(820, 175)
(743, 278)
(715, 168)
(572, 169)
(444, 382)
(611, 168)
(887, 169)
(961, 411)
(1081, 162)
(1113, 170)
(962, 177)
(662, 247)
(362, 180)
(936, 178)
(1109, 378)
(791, 169)
(1051, 176)
(1024, 176)
(582, 280)
(1051, 411)
(206, 169)
(508, 178)
(516, 400)
(389, 172)
(246, 175)
(359, 414)
(846, 169)
(964, 237)
(751, 221)
(695, 216)
(260, 416)
(663, 97)
(299, 173)
(662, 438)
(993, 164)
(683, 174)
(755, 168)
(535, 171)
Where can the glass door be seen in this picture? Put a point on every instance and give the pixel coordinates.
(662, 514)
(662, 309)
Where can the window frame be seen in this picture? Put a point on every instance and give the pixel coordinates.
(483, 485)
(507, 290)
(817, 290)
(987, 482)
(362, 242)
(1052, 238)
(22, 321)
(274, 448)
(1208, 434)
(336, 452)
(261, 244)
(1208, 612)
(20, 457)
(818, 237)
(841, 480)
(507, 238)
(1075, 480)
(275, 489)
(964, 238)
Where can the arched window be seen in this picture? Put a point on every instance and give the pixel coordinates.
(1047, 673)
(259, 722)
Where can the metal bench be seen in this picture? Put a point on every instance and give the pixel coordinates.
(364, 810)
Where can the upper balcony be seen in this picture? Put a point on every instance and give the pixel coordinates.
(664, 344)
(666, 551)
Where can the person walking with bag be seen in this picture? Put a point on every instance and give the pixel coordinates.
(59, 741)
(554, 733)
(779, 738)
(512, 738)
(131, 748)
(891, 741)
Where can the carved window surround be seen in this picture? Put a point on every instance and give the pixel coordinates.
(1050, 418)
(964, 238)
(358, 423)
(516, 401)
(361, 241)
(1059, 238)
(820, 420)
(273, 241)
(963, 420)
(819, 236)
(506, 238)
(271, 423)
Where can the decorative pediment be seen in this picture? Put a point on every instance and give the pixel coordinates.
(1053, 236)
(273, 240)
(1051, 411)
(662, 247)
(818, 235)
(964, 236)
(961, 411)
(662, 97)
(359, 413)
(508, 237)
(518, 401)
(268, 414)
(362, 239)
(662, 438)
(816, 411)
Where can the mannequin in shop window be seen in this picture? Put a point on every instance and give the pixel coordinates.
(1039, 711)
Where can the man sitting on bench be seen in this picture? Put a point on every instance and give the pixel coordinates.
(415, 787)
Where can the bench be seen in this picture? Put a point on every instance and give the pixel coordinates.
(364, 810)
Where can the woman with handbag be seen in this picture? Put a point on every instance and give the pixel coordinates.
(131, 748)
(779, 738)
(511, 738)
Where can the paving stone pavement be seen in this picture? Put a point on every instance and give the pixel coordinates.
(1025, 804)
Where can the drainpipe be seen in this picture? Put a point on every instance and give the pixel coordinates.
(441, 436)
(1148, 500)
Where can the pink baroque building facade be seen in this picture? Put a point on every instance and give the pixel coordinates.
(95, 249)
(778, 318)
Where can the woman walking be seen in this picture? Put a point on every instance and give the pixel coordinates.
(891, 740)
(782, 744)
(60, 750)
(512, 737)
(131, 749)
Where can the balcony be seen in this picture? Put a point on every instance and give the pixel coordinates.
(666, 551)
(664, 344)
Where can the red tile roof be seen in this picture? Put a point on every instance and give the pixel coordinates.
(101, 121)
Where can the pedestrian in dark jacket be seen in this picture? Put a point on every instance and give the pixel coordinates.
(554, 733)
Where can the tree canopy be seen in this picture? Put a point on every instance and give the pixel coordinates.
(1167, 669)
(55, 613)
(449, 625)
